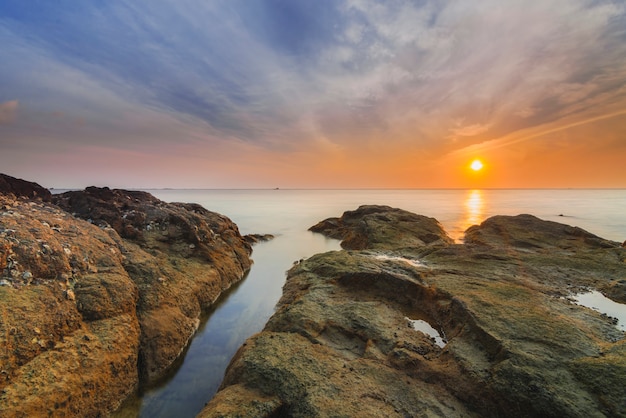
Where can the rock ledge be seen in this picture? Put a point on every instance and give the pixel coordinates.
(341, 341)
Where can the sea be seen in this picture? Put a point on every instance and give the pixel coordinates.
(287, 214)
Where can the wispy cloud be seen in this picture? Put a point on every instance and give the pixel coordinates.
(469, 130)
(286, 76)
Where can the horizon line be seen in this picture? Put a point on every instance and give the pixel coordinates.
(334, 189)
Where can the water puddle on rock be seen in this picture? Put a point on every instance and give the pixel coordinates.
(598, 302)
(426, 328)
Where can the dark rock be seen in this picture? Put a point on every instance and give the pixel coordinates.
(527, 231)
(379, 227)
(256, 238)
(22, 188)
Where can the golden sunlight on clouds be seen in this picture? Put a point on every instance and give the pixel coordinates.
(338, 95)
(565, 154)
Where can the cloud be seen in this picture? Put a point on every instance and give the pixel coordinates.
(544, 131)
(285, 76)
(525, 112)
(470, 130)
(8, 112)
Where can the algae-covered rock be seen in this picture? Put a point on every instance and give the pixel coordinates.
(342, 341)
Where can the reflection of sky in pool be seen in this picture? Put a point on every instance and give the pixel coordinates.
(426, 328)
(597, 301)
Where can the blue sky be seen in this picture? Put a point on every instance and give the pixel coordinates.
(352, 93)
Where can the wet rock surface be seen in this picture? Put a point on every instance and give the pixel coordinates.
(341, 341)
(91, 308)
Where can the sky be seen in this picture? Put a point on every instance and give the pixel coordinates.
(314, 94)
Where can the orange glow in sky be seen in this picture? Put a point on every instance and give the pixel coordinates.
(315, 94)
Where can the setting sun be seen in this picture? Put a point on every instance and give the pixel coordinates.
(476, 165)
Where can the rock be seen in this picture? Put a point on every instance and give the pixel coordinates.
(106, 323)
(27, 275)
(70, 295)
(380, 227)
(256, 238)
(201, 253)
(22, 188)
(340, 343)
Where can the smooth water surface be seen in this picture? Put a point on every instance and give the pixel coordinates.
(288, 214)
(426, 328)
(597, 301)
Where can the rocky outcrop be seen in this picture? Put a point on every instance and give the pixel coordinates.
(343, 340)
(256, 238)
(22, 188)
(383, 227)
(91, 308)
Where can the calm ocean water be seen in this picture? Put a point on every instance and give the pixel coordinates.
(288, 214)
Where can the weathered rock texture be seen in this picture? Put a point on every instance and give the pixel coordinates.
(340, 343)
(18, 187)
(91, 308)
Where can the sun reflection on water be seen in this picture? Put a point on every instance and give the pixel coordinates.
(474, 208)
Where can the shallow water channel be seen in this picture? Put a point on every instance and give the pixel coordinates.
(239, 313)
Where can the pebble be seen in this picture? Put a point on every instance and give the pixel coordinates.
(4, 282)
